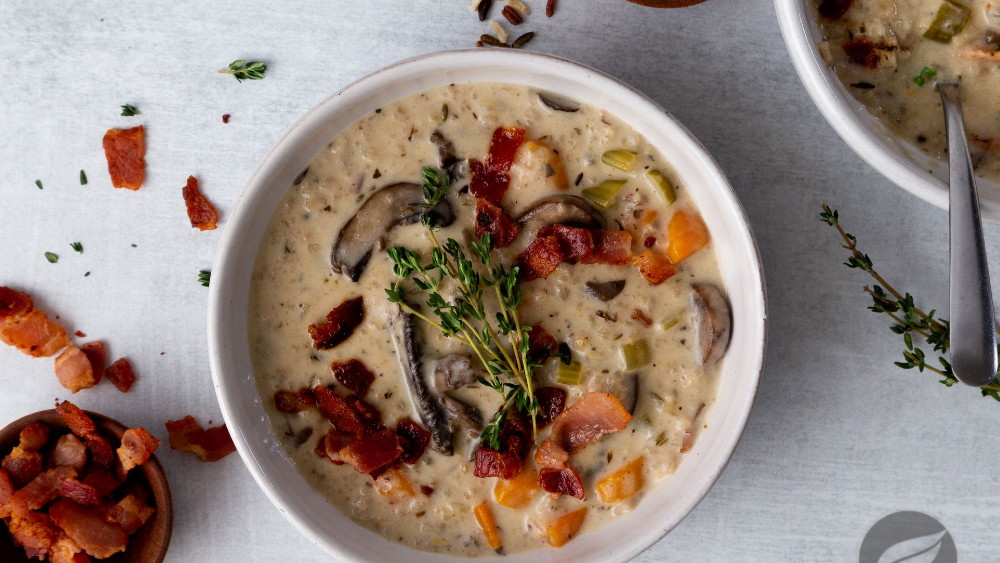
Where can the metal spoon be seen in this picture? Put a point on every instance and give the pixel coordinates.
(973, 336)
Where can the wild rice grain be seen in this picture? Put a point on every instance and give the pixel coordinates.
(492, 41)
(484, 9)
(521, 7)
(499, 31)
(550, 7)
(522, 40)
(512, 16)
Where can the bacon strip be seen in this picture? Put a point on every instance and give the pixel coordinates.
(34, 334)
(200, 211)
(80, 493)
(540, 258)
(211, 444)
(125, 151)
(13, 303)
(551, 402)
(96, 354)
(74, 370)
(34, 436)
(413, 438)
(89, 529)
(34, 532)
(374, 451)
(340, 324)
(137, 447)
(610, 247)
(493, 220)
(493, 463)
(354, 375)
(589, 419)
(490, 180)
(77, 420)
(561, 481)
(69, 451)
(131, 513)
(294, 401)
(22, 465)
(121, 375)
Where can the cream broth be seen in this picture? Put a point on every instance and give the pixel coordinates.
(293, 287)
(891, 90)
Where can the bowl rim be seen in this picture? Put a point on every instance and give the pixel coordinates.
(220, 301)
(834, 102)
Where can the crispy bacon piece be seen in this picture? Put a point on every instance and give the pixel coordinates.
(371, 419)
(137, 447)
(338, 411)
(34, 334)
(65, 550)
(13, 303)
(125, 150)
(354, 375)
(493, 220)
(6, 488)
(541, 344)
(561, 481)
(121, 374)
(130, 513)
(541, 257)
(413, 438)
(96, 354)
(339, 325)
(101, 452)
(209, 444)
(69, 451)
(34, 532)
(589, 419)
(77, 420)
(40, 491)
(551, 402)
(374, 451)
(576, 243)
(294, 401)
(865, 52)
(88, 528)
(610, 247)
(34, 436)
(80, 493)
(490, 179)
(73, 369)
(22, 465)
(493, 463)
(102, 481)
(655, 267)
(330, 444)
(834, 9)
(200, 211)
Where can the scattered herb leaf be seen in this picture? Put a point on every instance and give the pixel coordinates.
(52, 257)
(83, 178)
(205, 277)
(38, 183)
(77, 246)
(243, 70)
(128, 110)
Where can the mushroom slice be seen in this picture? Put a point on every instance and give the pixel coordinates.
(411, 361)
(552, 102)
(454, 371)
(605, 291)
(446, 150)
(464, 417)
(395, 204)
(712, 322)
(570, 210)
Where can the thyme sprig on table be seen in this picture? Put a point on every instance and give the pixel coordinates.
(456, 288)
(243, 70)
(910, 321)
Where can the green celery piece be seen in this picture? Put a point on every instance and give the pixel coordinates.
(569, 374)
(950, 21)
(663, 184)
(603, 195)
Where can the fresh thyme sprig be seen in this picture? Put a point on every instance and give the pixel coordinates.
(128, 110)
(243, 70)
(205, 277)
(908, 318)
(464, 314)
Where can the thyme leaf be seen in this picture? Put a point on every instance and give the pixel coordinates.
(243, 70)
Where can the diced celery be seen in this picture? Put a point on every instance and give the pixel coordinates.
(662, 183)
(569, 374)
(950, 21)
(670, 323)
(621, 159)
(635, 354)
(603, 195)
(925, 76)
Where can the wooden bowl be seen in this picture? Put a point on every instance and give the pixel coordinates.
(146, 545)
(667, 3)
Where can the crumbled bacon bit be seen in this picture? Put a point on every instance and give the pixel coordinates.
(551, 402)
(34, 436)
(494, 220)
(339, 325)
(41, 490)
(541, 344)
(336, 409)
(641, 317)
(413, 438)
(69, 451)
(101, 452)
(589, 419)
(80, 493)
(209, 444)
(354, 375)
(102, 481)
(22, 465)
(865, 52)
(648, 242)
(610, 247)
(125, 150)
(137, 447)
(374, 451)
(73, 370)
(131, 513)
(200, 211)
(294, 401)
(541, 258)
(427, 490)
(490, 179)
(80, 334)
(34, 532)
(78, 421)
(225, 118)
(331, 444)
(33, 333)
(576, 242)
(487, 183)
(492, 463)
(121, 374)
(96, 354)
(561, 481)
(89, 529)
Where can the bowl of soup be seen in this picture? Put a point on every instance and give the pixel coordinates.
(871, 69)
(487, 304)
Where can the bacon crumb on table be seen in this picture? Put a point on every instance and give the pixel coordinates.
(26, 328)
(121, 375)
(209, 444)
(74, 370)
(125, 150)
(200, 211)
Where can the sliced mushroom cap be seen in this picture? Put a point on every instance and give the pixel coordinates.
(454, 371)
(463, 417)
(712, 323)
(605, 291)
(446, 150)
(570, 210)
(395, 204)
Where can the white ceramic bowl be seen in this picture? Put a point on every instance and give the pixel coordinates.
(897, 159)
(662, 508)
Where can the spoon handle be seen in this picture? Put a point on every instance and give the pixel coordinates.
(973, 336)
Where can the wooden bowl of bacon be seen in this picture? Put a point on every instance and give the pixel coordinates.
(76, 486)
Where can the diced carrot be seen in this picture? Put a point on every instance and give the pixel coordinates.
(623, 483)
(686, 234)
(654, 267)
(562, 529)
(485, 518)
(394, 485)
(516, 492)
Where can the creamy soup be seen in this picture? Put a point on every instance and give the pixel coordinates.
(890, 53)
(654, 348)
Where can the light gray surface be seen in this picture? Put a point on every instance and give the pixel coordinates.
(839, 437)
